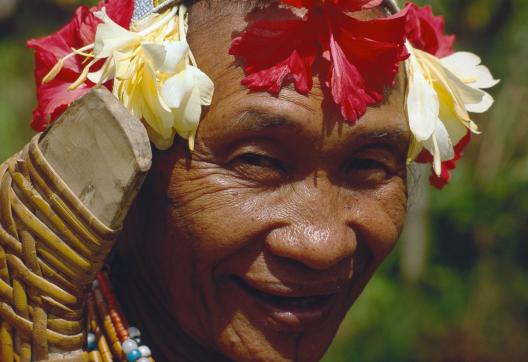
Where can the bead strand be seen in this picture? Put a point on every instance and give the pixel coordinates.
(109, 294)
(116, 326)
(97, 344)
(108, 326)
(114, 310)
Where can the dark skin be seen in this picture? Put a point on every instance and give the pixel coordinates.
(255, 246)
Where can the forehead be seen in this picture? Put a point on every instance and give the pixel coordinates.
(212, 29)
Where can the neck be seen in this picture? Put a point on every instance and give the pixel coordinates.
(145, 308)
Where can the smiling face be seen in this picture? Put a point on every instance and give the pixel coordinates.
(260, 240)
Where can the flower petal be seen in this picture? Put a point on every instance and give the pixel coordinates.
(176, 53)
(484, 78)
(456, 127)
(104, 74)
(111, 37)
(277, 53)
(466, 66)
(440, 146)
(427, 32)
(422, 103)
(375, 47)
(155, 54)
(54, 97)
(120, 11)
(156, 115)
(204, 84)
(347, 85)
(483, 106)
(177, 88)
(187, 117)
(126, 66)
(193, 111)
(461, 93)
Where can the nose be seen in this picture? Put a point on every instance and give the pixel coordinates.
(318, 234)
(318, 246)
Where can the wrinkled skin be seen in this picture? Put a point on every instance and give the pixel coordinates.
(279, 196)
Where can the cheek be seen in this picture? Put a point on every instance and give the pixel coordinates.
(218, 216)
(382, 217)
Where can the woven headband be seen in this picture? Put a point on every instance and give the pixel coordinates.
(139, 51)
(143, 8)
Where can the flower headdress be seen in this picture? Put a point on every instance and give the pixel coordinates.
(138, 49)
(360, 58)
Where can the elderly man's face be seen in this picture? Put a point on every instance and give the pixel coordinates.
(269, 231)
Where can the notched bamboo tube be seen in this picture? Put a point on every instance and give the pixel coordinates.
(63, 199)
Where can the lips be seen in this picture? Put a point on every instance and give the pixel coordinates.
(287, 309)
(285, 301)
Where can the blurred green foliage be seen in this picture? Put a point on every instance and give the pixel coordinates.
(470, 302)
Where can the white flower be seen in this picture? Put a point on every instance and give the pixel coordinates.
(153, 71)
(154, 76)
(441, 93)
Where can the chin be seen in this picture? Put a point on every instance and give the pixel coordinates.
(270, 323)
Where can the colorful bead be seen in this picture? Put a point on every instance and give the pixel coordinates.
(134, 332)
(105, 317)
(129, 345)
(145, 351)
(95, 356)
(133, 355)
(91, 343)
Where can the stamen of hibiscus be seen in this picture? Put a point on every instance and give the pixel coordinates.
(84, 75)
(83, 54)
(437, 162)
(192, 137)
(54, 71)
(52, 74)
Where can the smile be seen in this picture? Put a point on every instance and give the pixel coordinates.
(288, 311)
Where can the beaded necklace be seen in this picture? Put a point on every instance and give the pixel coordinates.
(110, 338)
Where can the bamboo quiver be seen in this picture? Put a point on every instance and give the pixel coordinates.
(63, 199)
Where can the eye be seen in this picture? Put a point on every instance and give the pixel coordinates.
(259, 167)
(255, 159)
(366, 170)
(365, 164)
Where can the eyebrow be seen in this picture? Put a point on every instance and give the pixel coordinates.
(394, 138)
(258, 121)
(392, 134)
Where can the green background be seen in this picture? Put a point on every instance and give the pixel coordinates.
(456, 287)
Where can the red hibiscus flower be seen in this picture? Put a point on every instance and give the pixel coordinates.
(441, 181)
(358, 58)
(54, 97)
(427, 32)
